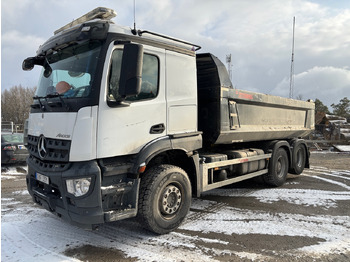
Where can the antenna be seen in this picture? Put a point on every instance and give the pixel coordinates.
(291, 84)
(229, 66)
(134, 30)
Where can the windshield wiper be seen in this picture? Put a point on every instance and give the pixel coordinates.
(54, 104)
(61, 103)
(41, 106)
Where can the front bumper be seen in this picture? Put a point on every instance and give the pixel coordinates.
(110, 197)
(84, 211)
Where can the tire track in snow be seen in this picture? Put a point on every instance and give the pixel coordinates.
(201, 213)
(333, 182)
(330, 173)
(146, 246)
(334, 230)
(318, 170)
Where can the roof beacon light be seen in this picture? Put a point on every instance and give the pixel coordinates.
(97, 13)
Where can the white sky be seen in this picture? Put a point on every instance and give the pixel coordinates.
(258, 35)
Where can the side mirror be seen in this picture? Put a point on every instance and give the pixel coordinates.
(131, 70)
(28, 64)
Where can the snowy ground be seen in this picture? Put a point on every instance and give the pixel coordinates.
(307, 219)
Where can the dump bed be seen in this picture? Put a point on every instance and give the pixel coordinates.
(227, 115)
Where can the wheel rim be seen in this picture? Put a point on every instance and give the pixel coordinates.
(280, 168)
(171, 200)
(300, 157)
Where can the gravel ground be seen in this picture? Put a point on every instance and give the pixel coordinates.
(307, 219)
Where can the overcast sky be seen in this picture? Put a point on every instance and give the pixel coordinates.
(257, 33)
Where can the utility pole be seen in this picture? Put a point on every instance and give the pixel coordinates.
(291, 84)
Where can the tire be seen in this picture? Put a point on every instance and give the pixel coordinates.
(164, 199)
(278, 168)
(298, 159)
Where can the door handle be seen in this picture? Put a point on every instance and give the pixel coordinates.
(157, 129)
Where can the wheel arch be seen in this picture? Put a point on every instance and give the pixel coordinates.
(180, 158)
(177, 151)
(275, 145)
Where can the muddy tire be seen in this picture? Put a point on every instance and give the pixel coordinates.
(298, 160)
(278, 168)
(164, 198)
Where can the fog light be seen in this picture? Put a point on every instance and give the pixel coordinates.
(78, 187)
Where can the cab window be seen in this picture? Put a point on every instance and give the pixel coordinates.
(150, 77)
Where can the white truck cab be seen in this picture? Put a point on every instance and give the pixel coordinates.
(84, 141)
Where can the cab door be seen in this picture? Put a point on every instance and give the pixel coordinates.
(125, 128)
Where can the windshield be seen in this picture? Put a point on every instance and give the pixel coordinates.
(69, 71)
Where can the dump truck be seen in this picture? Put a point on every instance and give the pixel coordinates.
(129, 122)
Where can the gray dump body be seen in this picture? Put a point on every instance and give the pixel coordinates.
(228, 115)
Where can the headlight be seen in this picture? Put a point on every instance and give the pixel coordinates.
(78, 187)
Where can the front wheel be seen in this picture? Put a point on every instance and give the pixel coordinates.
(164, 199)
(278, 168)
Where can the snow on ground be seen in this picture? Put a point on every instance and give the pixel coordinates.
(30, 233)
(229, 220)
(8, 172)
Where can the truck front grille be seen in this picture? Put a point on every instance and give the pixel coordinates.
(56, 150)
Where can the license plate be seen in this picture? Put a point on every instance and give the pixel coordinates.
(20, 147)
(42, 178)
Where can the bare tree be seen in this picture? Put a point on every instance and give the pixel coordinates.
(15, 103)
(299, 97)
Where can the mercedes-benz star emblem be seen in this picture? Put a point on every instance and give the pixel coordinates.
(42, 147)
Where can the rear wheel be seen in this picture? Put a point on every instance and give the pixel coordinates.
(278, 168)
(299, 159)
(165, 198)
